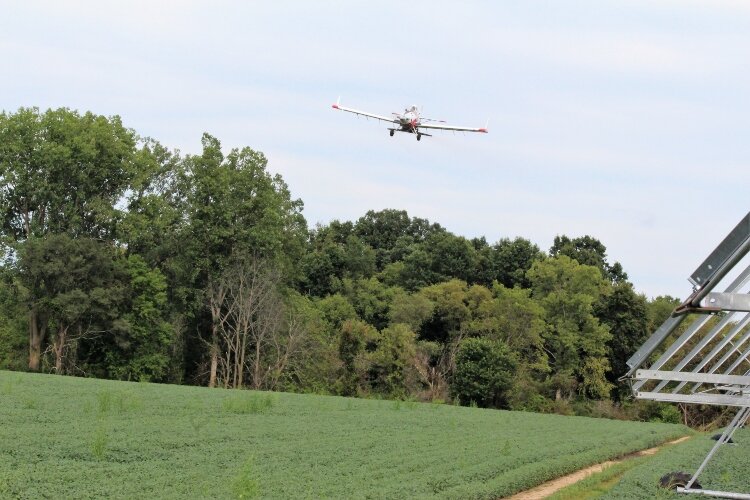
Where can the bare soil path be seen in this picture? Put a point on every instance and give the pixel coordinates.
(546, 489)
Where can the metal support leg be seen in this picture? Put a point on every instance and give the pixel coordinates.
(735, 424)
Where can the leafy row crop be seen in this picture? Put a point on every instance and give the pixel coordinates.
(69, 437)
(727, 471)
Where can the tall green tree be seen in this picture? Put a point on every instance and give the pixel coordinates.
(392, 362)
(234, 207)
(354, 340)
(154, 227)
(14, 341)
(61, 172)
(575, 339)
(138, 348)
(626, 314)
(71, 287)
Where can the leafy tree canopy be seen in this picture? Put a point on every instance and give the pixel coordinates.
(575, 339)
(62, 172)
(591, 252)
(484, 373)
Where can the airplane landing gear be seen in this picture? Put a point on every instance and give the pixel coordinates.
(419, 137)
(391, 132)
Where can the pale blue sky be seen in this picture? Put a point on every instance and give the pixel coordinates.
(625, 120)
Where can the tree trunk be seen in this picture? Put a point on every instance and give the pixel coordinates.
(37, 331)
(214, 358)
(216, 295)
(237, 375)
(241, 364)
(59, 347)
(35, 351)
(256, 366)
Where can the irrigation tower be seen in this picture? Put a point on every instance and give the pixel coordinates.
(699, 355)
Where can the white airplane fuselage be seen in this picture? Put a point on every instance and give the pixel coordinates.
(409, 121)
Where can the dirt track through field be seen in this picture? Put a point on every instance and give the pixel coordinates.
(550, 487)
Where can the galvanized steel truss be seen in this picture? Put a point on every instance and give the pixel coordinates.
(699, 355)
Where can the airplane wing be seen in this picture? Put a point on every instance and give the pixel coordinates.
(451, 127)
(364, 113)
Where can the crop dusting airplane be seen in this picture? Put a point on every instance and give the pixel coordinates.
(410, 122)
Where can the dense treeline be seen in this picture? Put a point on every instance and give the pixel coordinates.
(125, 260)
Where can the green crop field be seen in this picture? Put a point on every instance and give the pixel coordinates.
(727, 471)
(65, 437)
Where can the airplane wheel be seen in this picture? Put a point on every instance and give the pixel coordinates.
(391, 133)
(419, 137)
